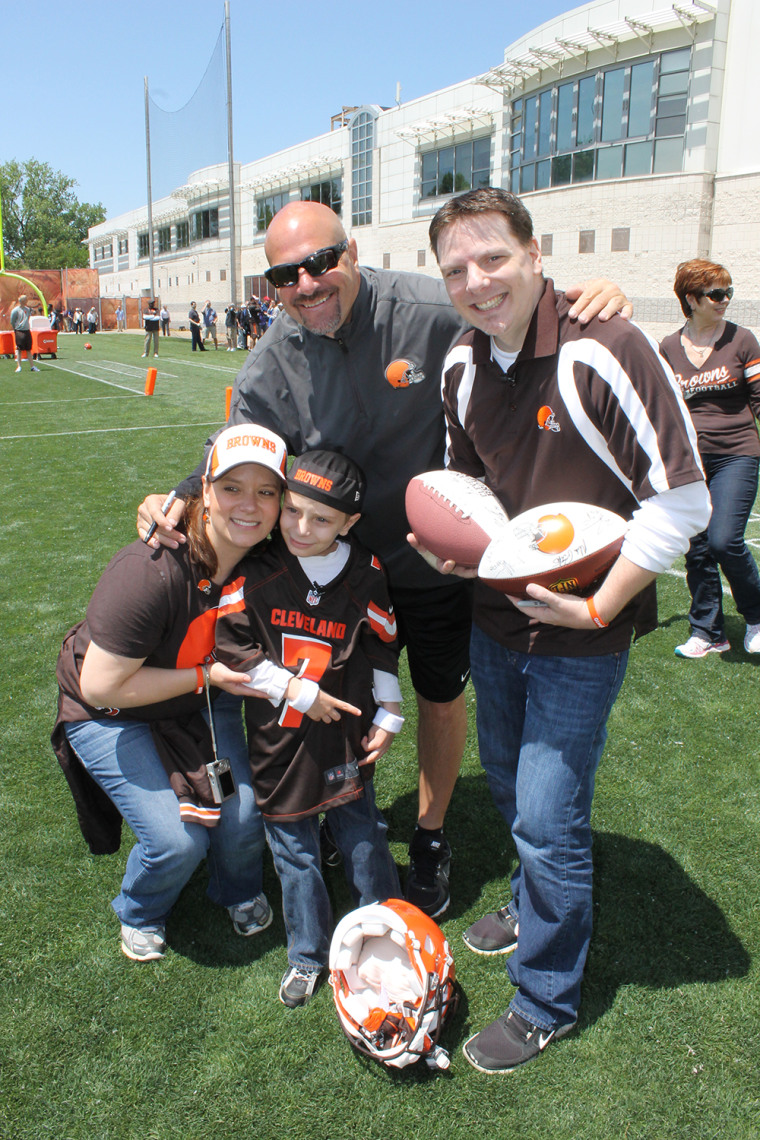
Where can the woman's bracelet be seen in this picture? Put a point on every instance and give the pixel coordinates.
(594, 615)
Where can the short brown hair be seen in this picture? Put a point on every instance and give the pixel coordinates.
(695, 277)
(486, 200)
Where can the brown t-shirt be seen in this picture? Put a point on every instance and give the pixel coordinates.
(154, 604)
(723, 394)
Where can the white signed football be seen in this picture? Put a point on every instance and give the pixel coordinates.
(561, 546)
(454, 515)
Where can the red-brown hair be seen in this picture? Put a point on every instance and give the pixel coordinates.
(697, 276)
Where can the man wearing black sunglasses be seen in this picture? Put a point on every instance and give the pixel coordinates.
(355, 363)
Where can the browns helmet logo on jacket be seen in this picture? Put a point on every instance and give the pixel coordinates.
(401, 373)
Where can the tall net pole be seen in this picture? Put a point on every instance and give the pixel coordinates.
(230, 157)
(150, 192)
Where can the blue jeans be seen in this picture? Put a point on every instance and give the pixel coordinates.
(359, 831)
(121, 757)
(732, 482)
(541, 732)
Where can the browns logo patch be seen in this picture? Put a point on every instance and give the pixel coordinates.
(546, 419)
(401, 373)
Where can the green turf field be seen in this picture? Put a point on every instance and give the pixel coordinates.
(95, 1047)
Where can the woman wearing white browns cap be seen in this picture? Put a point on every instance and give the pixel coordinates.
(132, 732)
(717, 366)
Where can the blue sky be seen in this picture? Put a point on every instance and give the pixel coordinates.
(294, 65)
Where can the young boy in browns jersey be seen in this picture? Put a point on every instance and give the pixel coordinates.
(316, 635)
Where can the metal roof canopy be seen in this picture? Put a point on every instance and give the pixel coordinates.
(552, 56)
(297, 170)
(450, 124)
(194, 190)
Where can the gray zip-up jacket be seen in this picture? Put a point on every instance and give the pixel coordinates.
(319, 391)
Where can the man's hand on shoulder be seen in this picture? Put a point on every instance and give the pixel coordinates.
(165, 534)
(599, 297)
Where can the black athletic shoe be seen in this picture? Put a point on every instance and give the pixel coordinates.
(328, 847)
(509, 1042)
(427, 883)
(494, 933)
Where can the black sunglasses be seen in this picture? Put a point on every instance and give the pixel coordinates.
(719, 295)
(315, 265)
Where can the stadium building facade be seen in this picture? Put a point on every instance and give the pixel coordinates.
(626, 125)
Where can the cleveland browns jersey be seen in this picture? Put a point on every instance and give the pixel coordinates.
(336, 635)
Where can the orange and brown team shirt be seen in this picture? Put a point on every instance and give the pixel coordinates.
(723, 395)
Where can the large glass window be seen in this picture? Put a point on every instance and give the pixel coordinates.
(640, 99)
(183, 235)
(586, 110)
(143, 245)
(544, 123)
(205, 224)
(623, 121)
(565, 101)
(164, 239)
(328, 193)
(362, 145)
(454, 169)
(612, 104)
(266, 208)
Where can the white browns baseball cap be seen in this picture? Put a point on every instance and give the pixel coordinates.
(246, 443)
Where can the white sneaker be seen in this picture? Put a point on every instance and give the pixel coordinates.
(19, 368)
(143, 945)
(752, 638)
(700, 647)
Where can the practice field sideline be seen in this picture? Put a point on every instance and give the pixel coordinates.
(98, 1048)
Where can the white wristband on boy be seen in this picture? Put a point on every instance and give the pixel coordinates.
(271, 679)
(388, 721)
(306, 697)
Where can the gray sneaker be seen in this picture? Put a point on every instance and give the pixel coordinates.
(143, 945)
(509, 1042)
(298, 985)
(495, 933)
(251, 917)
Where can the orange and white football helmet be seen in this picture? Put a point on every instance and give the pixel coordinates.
(393, 981)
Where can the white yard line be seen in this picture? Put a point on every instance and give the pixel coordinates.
(138, 371)
(73, 400)
(101, 431)
(210, 367)
(88, 376)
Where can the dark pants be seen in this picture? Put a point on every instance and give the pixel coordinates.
(732, 481)
(195, 332)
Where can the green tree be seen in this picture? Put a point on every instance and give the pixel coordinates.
(44, 223)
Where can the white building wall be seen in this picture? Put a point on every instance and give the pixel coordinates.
(712, 209)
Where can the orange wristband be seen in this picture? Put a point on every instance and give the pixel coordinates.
(594, 615)
(200, 680)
